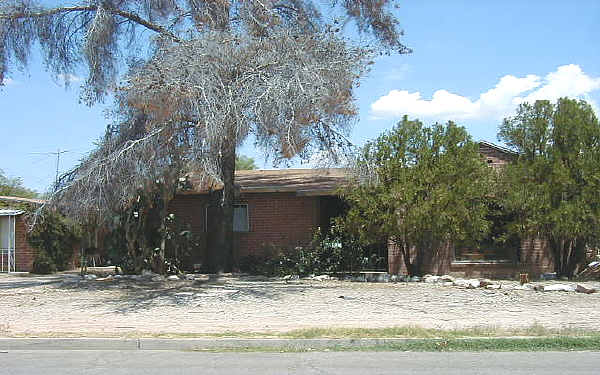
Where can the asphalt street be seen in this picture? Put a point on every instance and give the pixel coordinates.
(149, 362)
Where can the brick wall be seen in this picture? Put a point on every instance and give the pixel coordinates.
(191, 209)
(280, 220)
(535, 260)
(494, 157)
(437, 263)
(536, 257)
(24, 253)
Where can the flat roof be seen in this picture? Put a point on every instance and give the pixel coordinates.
(21, 200)
(11, 212)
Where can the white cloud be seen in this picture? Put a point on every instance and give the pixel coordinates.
(498, 102)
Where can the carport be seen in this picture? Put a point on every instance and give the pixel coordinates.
(7, 239)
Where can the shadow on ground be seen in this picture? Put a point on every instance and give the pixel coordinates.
(29, 282)
(126, 295)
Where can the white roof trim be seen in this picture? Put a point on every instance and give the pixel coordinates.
(11, 212)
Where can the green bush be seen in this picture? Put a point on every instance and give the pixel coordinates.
(331, 252)
(266, 262)
(55, 237)
(43, 264)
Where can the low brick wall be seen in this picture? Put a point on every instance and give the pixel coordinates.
(491, 270)
(535, 259)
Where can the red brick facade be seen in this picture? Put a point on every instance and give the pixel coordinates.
(279, 220)
(24, 252)
(535, 259)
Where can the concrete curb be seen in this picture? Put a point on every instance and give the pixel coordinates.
(68, 344)
(204, 344)
(190, 344)
(185, 344)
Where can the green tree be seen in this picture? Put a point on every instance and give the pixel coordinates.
(14, 187)
(243, 162)
(553, 186)
(56, 237)
(420, 187)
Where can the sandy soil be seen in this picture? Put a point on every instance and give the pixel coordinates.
(66, 305)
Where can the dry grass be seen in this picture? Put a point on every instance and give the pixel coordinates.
(414, 332)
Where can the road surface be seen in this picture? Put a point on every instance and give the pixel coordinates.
(348, 363)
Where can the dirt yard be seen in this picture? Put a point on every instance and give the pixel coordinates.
(67, 305)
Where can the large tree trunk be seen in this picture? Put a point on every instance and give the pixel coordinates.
(222, 257)
(411, 268)
(568, 254)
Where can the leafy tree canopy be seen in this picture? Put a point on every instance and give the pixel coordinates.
(553, 186)
(14, 187)
(243, 162)
(100, 35)
(420, 187)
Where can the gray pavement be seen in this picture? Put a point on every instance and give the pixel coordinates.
(348, 363)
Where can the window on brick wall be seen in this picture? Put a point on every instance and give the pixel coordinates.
(241, 222)
(240, 218)
(499, 245)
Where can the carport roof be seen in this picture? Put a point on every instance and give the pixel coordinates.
(10, 212)
(21, 200)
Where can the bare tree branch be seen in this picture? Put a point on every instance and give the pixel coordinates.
(92, 8)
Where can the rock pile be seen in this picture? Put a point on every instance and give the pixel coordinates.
(447, 280)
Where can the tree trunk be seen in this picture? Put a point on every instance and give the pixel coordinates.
(222, 257)
(406, 256)
(568, 254)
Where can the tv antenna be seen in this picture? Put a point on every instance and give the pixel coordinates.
(56, 153)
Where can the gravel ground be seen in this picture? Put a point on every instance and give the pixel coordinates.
(64, 304)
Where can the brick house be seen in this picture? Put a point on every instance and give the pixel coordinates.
(273, 208)
(489, 259)
(16, 254)
(282, 209)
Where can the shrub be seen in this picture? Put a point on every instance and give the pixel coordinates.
(55, 237)
(43, 264)
(267, 262)
(330, 252)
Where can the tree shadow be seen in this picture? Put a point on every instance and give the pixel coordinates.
(139, 295)
(29, 282)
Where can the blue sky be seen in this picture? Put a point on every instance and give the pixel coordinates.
(473, 62)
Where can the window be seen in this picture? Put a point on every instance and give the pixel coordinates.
(499, 245)
(240, 218)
